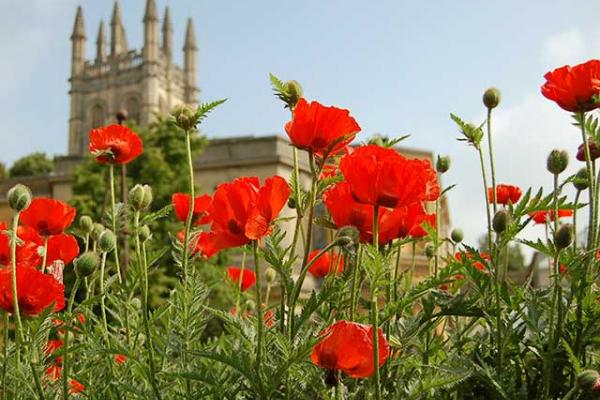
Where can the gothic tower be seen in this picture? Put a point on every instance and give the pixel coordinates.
(144, 82)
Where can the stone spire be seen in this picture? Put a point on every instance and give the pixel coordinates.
(167, 31)
(78, 44)
(118, 41)
(189, 59)
(151, 39)
(101, 44)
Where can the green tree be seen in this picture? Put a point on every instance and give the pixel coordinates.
(32, 165)
(2, 171)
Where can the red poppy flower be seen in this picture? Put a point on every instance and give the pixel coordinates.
(380, 176)
(36, 290)
(243, 210)
(53, 345)
(348, 347)
(62, 247)
(594, 151)
(573, 88)
(115, 144)
(328, 171)
(269, 318)
(48, 216)
(322, 130)
(201, 213)
(247, 278)
(26, 252)
(120, 358)
(75, 386)
(505, 194)
(402, 222)
(54, 372)
(202, 243)
(473, 259)
(541, 217)
(322, 265)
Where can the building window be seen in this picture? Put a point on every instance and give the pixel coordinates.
(132, 105)
(98, 116)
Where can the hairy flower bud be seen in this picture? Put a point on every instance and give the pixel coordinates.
(377, 140)
(501, 221)
(588, 380)
(136, 303)
(270, 275)
(140, 197)
(293, 91)
(557, 161)
(86, 224)
(97, 229)
(457, 235)
(443, 164)
(145, 233)
(107, 241)
(563, 236)
(581, 179)
(429, 250)
(348, 233)
(185, 117)
(19, 197)
(491, 98)
(86, 264)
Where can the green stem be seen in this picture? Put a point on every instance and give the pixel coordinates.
(113, 209)
(374, 310)
(355, 286)
(17, 314)
(188, 221)
(5, 322)
(259, 313)
(490, 149)
(102, 298)
(45, 257)
(487, 203)
(571, 393)
(437, 237)
(65, 373)
(413, 264)
(397, 270)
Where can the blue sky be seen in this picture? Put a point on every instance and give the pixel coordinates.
(400, 67)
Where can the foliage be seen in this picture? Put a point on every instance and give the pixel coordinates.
(34, 164)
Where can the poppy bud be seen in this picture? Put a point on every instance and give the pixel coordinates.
(136, 303)
(594, 151)
(19, 197)
(443, 164)
(501, 221)
(377, 140)
(291, 203)
(145, 233)
(491, 98)
(588, 380)
(349, 232)
(270, 274)
(581, 179)
(557, 161)
(250, 304)
(97, 230)
(457, 235)
(86, 264)
(563, 236)
(344, 241)
(140, 197)
(86, 223)
(429, 250)
(294, 92)
(185, 117)
(107, 241)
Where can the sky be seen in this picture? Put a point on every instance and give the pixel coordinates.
(400, 67)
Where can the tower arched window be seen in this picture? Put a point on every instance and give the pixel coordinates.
(98, 116)
(132, 105)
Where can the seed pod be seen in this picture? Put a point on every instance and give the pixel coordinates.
(491, 98)
(457, 235)
(107, 241)
(86, 223)
(96, 231)
(581, 179)
(443, 164)
(140, 197)
(563, 236)
(557, 161)
(501, 221)
(19, 197)
(86, 264)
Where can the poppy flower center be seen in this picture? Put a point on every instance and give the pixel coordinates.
(387, 201)
(234, 227)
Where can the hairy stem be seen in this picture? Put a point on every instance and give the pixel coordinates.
(113, 211)
(188, 221)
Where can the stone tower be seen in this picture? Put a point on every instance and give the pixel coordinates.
(143, 82)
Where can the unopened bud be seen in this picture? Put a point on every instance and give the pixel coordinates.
(250, 304)
(429, 250)
(294, 92)
(349, 232)
(501, 221)
(270, 275)
(457, 235)
(140, 197)
(557, 161)
(443, 164)
(145, 233)
(491, 98)
(86, 224)
(291, 203)
(86, 264)
(136, 303)
(588, 380)
(185, 117)
(107, 241)
(19, 197)
(97, 230)
(563, 236)
(377, 140)
(581, 179)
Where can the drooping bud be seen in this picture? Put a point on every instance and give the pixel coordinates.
(491, 98)
(140, 197)
(145, 233)
(107, 241)
(581, 179)
(588, 380)
(270, 275)
(563, 236)
(457, 235)
(348, 232)
(443, 164)
(97, 230)
(86, 264)
(429, 250)
(185, 117)
(293, 91)
(594, 151)
(557, 161)
(19, 197)
(86, 223)
(501, 221)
